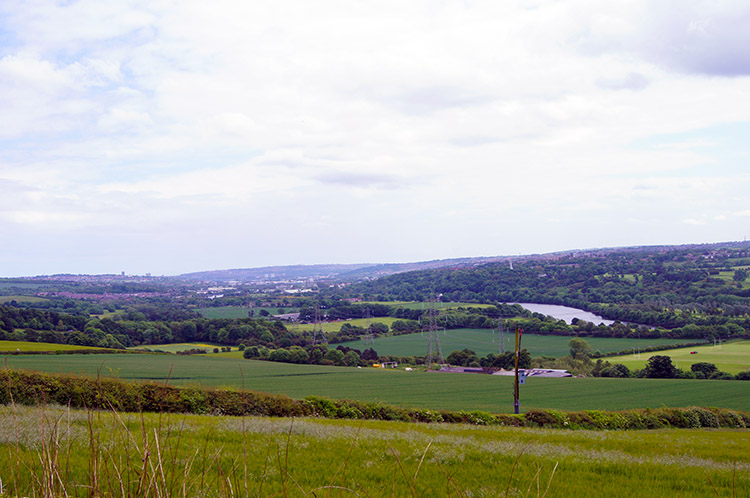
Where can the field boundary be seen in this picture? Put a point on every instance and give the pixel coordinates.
(35, 388)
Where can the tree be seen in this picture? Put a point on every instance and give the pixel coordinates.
(378, 328)
(740, 275)
(317, 354)
(616, 370)
(351, 358)
(281, 355)
(369, 355)
(462, 358)
(579, 348)
(660, 367)
(298, 355)
(707, 369)
(336, 356)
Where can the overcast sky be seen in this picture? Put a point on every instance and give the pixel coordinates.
(169, 137)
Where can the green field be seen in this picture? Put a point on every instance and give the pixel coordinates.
(728, 276)
(225, 312)
(180, 346)
(414, 305)
(213, 456)
(240, 311)
(422, 389)
(39, 346)
(485, 341)
(22, 299)
(732, 357)
(329, 327)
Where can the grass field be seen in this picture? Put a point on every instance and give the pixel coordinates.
(39, 346)
(59, 452)
(484, 341)
(4, 286)
(22, 299)
(181, 346)
(413, 305)
(240, 311)
(421, 389)
(329, 327)
(732, 357)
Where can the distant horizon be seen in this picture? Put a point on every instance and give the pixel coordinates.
(240, 268)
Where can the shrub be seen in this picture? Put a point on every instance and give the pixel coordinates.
(706, 417)
(543, 418)
(729, 418)
(721, 376)
(478, 417)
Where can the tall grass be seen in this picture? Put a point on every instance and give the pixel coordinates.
(54, 451)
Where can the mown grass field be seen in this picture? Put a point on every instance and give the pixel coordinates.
(22, 299)
(420, 389)
(39, 346)
(181, 346)
(329, 327)
(179, 455)
(484, 341)
(413, 305)
(732, 357)
(240, 311)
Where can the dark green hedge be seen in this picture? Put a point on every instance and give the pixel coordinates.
(32, 388)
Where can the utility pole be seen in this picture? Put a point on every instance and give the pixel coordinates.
(516, 402)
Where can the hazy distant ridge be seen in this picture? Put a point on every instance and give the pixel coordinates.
(332, 271)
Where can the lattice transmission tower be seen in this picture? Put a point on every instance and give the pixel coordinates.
(319, 337)
(368, 337)
(434, 353)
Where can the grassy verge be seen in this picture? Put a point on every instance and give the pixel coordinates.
(55, 451)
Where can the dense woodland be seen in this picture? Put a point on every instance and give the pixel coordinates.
(697, 292)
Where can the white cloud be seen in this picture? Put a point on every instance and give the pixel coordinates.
(475, 119)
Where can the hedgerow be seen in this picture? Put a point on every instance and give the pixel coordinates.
(33, 388)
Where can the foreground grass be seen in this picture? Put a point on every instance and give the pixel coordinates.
(420, 389)
(54, 451)
(732, 357)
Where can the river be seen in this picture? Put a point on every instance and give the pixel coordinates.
(564, 313)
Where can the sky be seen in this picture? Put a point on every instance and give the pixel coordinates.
(175, 136)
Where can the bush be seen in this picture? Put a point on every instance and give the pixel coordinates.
(706, 417)
(616, 370)
(540, 418)
(721, 376)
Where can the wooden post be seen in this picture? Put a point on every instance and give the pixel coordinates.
(516, 402)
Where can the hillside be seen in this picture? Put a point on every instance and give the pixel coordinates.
(330, 272)
(702, 286)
